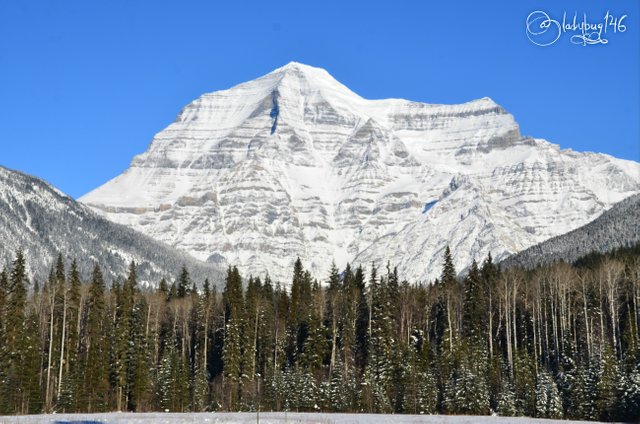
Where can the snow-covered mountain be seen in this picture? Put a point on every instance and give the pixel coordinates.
(44, 222)
(295, 164)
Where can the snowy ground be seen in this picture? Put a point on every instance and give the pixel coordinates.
(265, 418)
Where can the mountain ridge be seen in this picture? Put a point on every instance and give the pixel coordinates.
(44, 222)
(295, 164)
(618, 227)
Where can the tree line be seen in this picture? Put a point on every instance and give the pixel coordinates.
(556, 341)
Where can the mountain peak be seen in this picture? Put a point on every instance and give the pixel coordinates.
(305, 79)
(299, 67)
(295, 164)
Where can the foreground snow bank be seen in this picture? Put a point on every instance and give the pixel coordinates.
(265, 418)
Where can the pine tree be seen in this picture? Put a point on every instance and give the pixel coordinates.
(124, 360)
(525, 383)
(473, 318)
(378, 371)
(608, 378)
(308, 392)
(467, 391)
(298, 322)
(163, 288)
(507, 400)
(234, 334)
(138, 358)
(631, 396)
(29, 363)
(201, 386)
(449, 282)
(584, 396)
(316, 345)
(184, 283)
(4, 347)
(94, 365)
(548, 402)
(361, 320)
(337, 395)
(14, 330)
(73, 376)
(420, 390)
(165, 381)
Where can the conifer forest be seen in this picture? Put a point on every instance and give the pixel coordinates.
(557, 341)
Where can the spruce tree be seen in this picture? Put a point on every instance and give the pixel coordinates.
(361, 320)
(607, 386)
(14, 329)
(473, 317)
(507, 400)
(184, 283)
(4, 347)
(548, 402)
(234, 334)
(94, 365)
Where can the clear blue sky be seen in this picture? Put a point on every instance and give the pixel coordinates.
(84, 85)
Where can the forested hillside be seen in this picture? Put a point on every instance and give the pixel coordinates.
(555, 341)
(617, 227)
(44, 221)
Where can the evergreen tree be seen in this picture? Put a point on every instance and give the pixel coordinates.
(449, 283)
(473, 319)
(4, 347)
(232, 355)
(184, 283)
(73, 376)
(631, 396)
(165, 381)
(28, 365)
(607, 386)
(467, 391)
(420, 390)
(93, 361)
(556, 341)
(361, 320)
(548, 402)
(337, 395)
(14, 330)
(378, 372)
(507, 400)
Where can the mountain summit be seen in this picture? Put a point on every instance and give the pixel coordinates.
(294, 164)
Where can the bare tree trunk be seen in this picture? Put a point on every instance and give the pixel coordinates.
(206, 338)
(334, 337)
(586, 316)
(514, 290)
(490, 328)
(49, 359)
(62, 340)
(255, 340)
(506, 308)
(613, 271)
(535, 336)
(601, 313)
(538, 313)
(635, 294)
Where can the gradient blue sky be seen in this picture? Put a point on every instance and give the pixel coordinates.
(84, 85)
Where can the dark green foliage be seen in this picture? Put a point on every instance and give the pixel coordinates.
(557, 341)
(183, 284)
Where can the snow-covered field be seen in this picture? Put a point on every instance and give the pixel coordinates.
(265, 418)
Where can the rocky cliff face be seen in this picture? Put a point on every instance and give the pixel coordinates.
(295, 164)
(43, 222)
